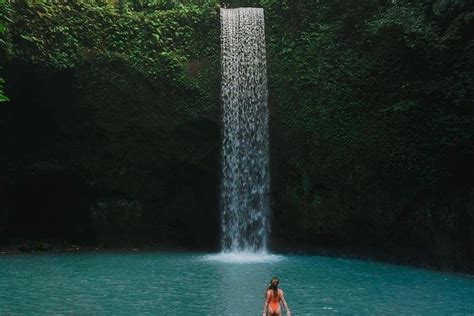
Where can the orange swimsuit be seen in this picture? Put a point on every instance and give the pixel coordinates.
(274, 302)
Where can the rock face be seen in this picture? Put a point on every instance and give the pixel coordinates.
(369, 152)
(111, 141)
(92, 165)
(113, 134)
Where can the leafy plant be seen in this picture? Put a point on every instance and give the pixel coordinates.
(3, 97)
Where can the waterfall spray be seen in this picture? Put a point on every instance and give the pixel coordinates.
(245, 154)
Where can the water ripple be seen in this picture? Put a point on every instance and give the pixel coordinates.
(222, 284)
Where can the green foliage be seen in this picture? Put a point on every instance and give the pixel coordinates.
(170, 45)
(3, 97)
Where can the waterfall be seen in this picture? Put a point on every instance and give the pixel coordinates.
(245, 150)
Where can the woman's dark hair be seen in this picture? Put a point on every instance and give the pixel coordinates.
(274, 288)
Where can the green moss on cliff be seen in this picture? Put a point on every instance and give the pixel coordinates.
(3, 97)
(372, 130)
(127, 101)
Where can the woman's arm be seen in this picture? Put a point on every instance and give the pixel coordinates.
(282, 298)
(265, 305)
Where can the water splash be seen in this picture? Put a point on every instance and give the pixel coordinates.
(244, 257)
(245, 160)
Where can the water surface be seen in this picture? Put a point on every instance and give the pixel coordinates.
(184, 283)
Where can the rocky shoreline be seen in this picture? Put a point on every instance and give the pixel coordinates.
(50, 246)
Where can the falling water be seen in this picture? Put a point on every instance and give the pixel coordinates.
(246, 181)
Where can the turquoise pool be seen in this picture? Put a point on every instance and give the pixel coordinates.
(160, 283)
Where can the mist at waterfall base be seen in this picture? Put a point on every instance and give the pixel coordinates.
(192, 283)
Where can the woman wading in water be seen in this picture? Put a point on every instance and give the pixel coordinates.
(273, 297)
